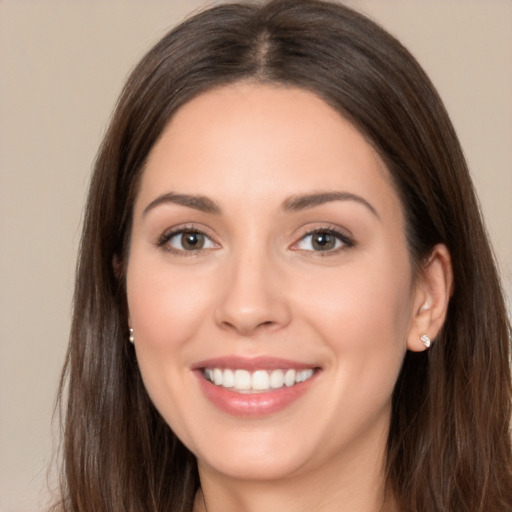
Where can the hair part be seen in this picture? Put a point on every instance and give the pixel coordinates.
(449, 440)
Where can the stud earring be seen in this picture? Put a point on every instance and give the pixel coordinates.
(425, 340)
(131, 337)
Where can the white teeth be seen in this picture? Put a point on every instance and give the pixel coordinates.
(217, 376)
(277, 379)
(228, 380)
(259, 380)
(242, 380)
(289, 378)
(303, 375)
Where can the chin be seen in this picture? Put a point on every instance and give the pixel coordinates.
(276, 467)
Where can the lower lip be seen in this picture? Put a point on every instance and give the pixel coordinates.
(253, 404)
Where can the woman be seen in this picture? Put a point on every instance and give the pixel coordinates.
(285, 296)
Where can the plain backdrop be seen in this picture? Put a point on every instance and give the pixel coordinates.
(62, 65)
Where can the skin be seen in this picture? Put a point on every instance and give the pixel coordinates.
(260, 287)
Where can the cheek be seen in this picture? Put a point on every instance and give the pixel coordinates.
(166, 308)
(363, 312)
(369, 299)
(164, 305)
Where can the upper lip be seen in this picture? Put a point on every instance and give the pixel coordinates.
(252, 363)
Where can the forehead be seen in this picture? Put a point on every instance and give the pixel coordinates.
(261, 142)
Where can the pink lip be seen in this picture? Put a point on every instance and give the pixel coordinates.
(251, 363)
(252, 404)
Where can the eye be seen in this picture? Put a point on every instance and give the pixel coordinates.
(323, 240)
(187, 240)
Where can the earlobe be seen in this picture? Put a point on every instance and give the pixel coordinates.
(433, 292)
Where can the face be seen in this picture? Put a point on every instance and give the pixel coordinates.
(269, 284)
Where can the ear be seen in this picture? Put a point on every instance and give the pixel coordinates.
(117, 267)
(432, 294)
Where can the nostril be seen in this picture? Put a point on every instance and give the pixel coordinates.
(247, 327)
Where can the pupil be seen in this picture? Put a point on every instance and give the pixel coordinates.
(192, 240)
(323, 241)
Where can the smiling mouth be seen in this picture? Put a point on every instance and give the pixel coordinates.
(259, 381)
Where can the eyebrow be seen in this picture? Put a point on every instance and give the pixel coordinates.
(297, 203)
(293, 204)
(200, 203)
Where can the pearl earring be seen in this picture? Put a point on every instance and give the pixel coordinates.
(131, 338)
(425, 340)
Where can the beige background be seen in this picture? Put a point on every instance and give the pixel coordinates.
(62, 64)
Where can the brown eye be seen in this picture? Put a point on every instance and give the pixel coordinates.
(191, 241)
(323, 241)
(181, 241)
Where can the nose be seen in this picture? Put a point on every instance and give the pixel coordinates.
(253, 297)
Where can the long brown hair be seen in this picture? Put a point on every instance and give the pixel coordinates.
(449, 443)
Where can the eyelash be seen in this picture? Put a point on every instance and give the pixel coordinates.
(346, 241)
(163, 240)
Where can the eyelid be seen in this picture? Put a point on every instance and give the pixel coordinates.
(341, 234)
(168, 234)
